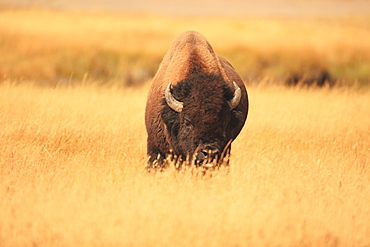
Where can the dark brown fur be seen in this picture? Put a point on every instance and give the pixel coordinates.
(203, 82)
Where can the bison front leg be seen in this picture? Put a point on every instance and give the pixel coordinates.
(156, 159)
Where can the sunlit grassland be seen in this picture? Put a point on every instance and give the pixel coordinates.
(68, 45)
(72, 172)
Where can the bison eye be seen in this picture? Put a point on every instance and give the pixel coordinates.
(188, 123)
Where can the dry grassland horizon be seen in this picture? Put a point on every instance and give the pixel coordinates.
(72, 172)
(52, 46)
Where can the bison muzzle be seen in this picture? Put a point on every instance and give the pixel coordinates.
(196, 106)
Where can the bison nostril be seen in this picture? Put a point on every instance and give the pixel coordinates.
(204, 152)
(210, 153)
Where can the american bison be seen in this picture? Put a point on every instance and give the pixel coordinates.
(197, 104)
(317, 78)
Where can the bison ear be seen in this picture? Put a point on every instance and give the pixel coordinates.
(234, 102)
(173, 103)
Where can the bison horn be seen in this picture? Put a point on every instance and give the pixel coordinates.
(234, 102)
(171, 101)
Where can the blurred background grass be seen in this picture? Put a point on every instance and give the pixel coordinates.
(64, 46)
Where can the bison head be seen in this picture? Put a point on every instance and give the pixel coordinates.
(201, 117)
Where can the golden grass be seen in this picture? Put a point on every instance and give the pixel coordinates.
(72, 172)
(52, 45)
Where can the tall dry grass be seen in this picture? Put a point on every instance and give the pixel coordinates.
(72, 172)
(63, 45)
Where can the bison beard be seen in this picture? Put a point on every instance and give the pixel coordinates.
(203, 130)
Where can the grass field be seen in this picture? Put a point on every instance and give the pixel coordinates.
(72, 172)
(73, 140)
(52, 46)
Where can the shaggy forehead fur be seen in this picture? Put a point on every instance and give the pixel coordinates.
(205, 92)
(205, 98)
